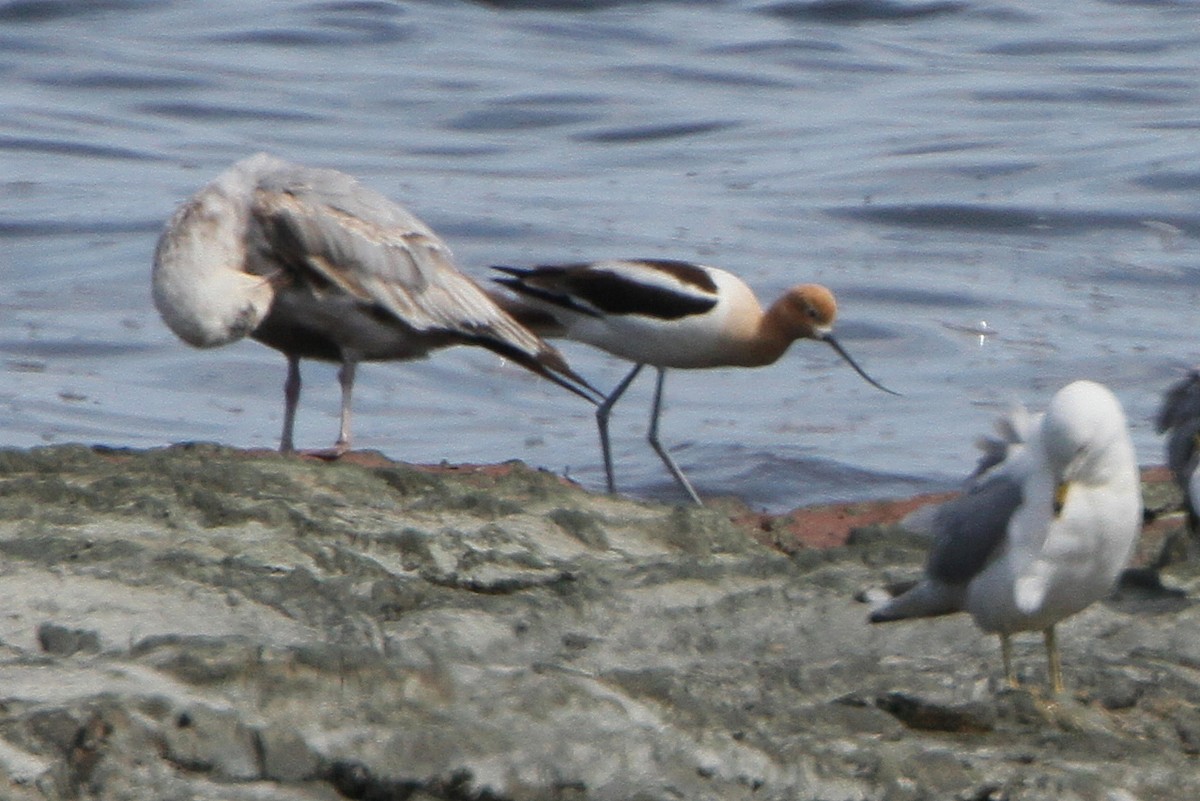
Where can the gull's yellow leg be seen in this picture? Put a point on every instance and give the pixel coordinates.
(1056, 680)
(1006, 655)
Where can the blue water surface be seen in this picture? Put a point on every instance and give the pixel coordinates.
(1004, 196)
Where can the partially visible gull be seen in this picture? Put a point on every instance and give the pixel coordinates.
(317, 266)
(1048, 523)
(1179, 418)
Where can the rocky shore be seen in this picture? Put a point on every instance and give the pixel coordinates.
(199, 622)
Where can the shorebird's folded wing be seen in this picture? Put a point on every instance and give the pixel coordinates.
(341, 236)
(369, 247)
(661, 289)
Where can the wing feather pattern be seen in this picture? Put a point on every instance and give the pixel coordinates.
(662, 289)
(336, 233)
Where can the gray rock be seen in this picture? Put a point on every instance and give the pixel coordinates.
(63, 641)
(279, 628)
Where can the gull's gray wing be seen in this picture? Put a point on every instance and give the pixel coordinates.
(1180, 403)
(1179, 418)
(967, 533)
(324, 229)
(1182, 451)
(969, 529)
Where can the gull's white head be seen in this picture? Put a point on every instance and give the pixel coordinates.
(1084, 434)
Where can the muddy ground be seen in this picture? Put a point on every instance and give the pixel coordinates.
(205, 623)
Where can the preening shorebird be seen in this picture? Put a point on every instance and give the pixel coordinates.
(315, 265)
(1049, 521)
(667, 314)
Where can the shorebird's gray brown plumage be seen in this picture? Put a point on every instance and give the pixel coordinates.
(313, 264)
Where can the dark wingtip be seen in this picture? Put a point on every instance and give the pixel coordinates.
(519, 281)
(574, 383)
(551, 365)
(562, 374)
(546, 362)
(882, 615)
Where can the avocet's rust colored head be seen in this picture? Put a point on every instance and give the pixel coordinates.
(810, 310)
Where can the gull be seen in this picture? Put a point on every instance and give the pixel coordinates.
(1179, 417)
(668, 314)
(1047, 524)
(317, 266)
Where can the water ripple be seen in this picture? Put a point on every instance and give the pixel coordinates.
(559, 5)
(339, 33)
(515, 119)
(18, 144)
(121, 81)
(770, 476)
(53, 228)
(1084, 95)
(1032, 165)
(654, 133)
(1008, 220)
(1061, 47)
(67, 348)
(909, 296)
(1170, 181)
(703, 77)
(34, 11)
(212, 112)
(854, 11)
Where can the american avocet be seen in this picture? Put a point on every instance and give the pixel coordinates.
(1179, 418)
(1045, 528)
(667, 314)
(317, 266)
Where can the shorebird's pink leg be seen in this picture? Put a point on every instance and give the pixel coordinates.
(346, 379)
(291, 394)
(291, 398)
